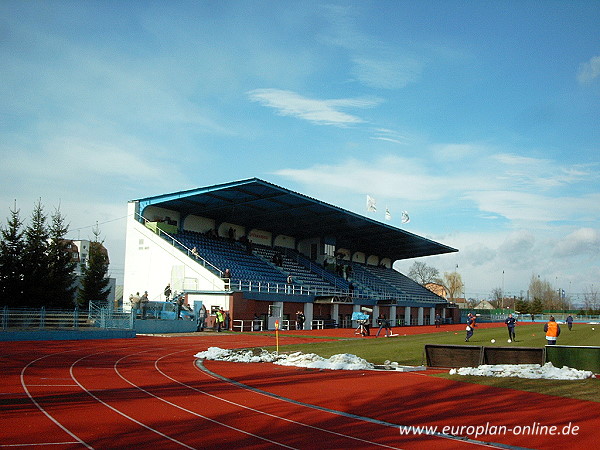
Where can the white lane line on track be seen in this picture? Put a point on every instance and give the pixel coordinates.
(115, 409)
(53, 385)
(41, 408)
(189, 411)
(263, 412)
(354, 416)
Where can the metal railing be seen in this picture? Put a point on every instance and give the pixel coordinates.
(484, 316)
(247, 325)
(32, 319)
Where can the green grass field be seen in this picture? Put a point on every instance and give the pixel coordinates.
(409, 350)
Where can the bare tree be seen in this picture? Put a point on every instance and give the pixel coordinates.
(423, 274)
(550, 297)
(497, 296)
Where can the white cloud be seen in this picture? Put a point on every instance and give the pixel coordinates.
(324, 112)
(528, 172)
(518, 243)
(386, 72)
(384, 134)
(589, 71)
(523, 206)
(391, 177)
(579, 242)
(457, 152)
(375, 64)
(520, 189)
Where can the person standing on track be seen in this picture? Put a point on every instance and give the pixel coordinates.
(383, 323)
(300, 318)
(510, 324)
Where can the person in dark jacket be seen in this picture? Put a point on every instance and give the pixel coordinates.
(511, 322)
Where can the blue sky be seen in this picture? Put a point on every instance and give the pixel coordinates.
(478, 118)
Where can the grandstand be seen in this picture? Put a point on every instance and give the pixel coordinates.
(259, 250)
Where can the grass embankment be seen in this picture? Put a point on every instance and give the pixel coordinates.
(409, 350)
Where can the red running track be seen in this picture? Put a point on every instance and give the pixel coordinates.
(149, 391)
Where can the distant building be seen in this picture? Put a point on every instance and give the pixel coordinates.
(462, 303)
(484, 304)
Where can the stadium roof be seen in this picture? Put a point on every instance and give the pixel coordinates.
(255, 203)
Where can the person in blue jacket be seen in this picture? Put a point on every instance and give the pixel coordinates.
(511, 322)
(570, 322)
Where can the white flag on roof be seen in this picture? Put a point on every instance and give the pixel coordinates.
(405, 218)
(371, 204)
(388, 216)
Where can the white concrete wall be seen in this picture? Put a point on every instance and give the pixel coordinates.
(155, 213)
(373, 260)
(284, 241)
(151, 263)
(209, 300)
(199, 224)
(387, 262)
(359, 257)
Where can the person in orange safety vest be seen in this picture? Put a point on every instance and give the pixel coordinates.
(552, 330)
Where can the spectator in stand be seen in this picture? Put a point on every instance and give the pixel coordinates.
(180, 301)
(144, 302)
(135, 303)
(167, 292)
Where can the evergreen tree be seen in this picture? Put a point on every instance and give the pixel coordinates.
(537, 306)
(11, 262)
(62, 276)
(94, 282)
(36, 264)
(522, 306)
